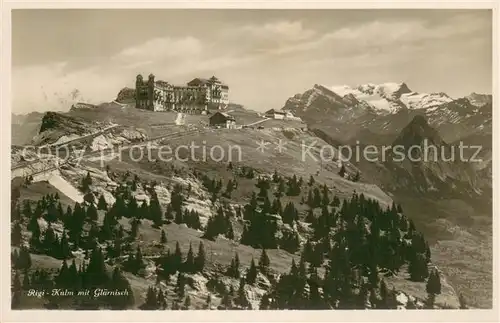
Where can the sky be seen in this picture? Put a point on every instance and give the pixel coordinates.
(265, 56)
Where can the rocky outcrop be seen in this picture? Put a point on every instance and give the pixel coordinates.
(126, 95)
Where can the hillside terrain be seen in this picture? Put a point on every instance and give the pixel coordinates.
(257, 228)
(457, 190)
(384, 110)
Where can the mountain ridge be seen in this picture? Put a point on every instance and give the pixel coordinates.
(387, 107)
(413, 128)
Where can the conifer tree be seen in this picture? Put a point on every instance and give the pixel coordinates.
(433, 285)
(325, 199)
(200, 258)
(49, 238)
(208, 304)
(51, 215)
(230, 232)
(64, 251)
(177, 257)
(310, 216)
(410, 304)
(264, 262)
(290, 213)
(429, 302)
(251, 273)
(89, 197)
(189, 263)
(151, 302)
(311, 181)
(226, 301)
(16, 236)
(175, 305)
(336, 201)
(179, 217)
(92, 213)
(73, 276)
(276, 177)
(26, 281)
(27, 212)
(35, 237)
(116, 250)
(155, 211)
(177, 200)
(101, 204)
(281, 189)
(241, 298)
(138, 260)
(169, 215)
(234, 267)
(384, 295)
(16, 283)
(17, 290)
(373, 278)
(119, 282)
(14, 258)
(162, 302)
(229, 189)
(342, 171)
(277, 208)
(417, 267)
(60, 212)
(163, 238)
(264, 302)
(310, 200)
(62, 279)
(180, 286)
(95, 273)
(134, 228)
(427, 252)
(290, 241)
(462, 302)
(132, 209)
(317, 197)
(187, 303)
(374, 302)
(86, 182)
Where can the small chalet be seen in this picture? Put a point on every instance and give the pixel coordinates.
(274, 114)
(222, 120)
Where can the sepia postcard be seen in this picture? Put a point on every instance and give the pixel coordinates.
(306, 163)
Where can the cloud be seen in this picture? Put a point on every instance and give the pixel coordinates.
(161, 48)
(270, 38)
(392, 37)
(378, 31)
(279, 30)
(407, 31)
(51, 87)
(284, 48)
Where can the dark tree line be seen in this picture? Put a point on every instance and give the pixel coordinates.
(170, 263)
(87, 276)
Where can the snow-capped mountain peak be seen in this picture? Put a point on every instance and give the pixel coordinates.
(390, 97)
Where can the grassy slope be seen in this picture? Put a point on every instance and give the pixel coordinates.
(221, 251)
(37, 190)
(152, 122)
(287, 162)
(459, 230)
(461, 246)
(290, 161)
